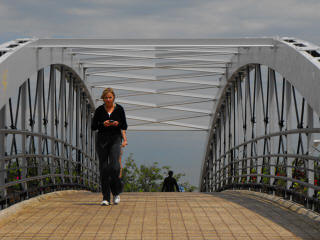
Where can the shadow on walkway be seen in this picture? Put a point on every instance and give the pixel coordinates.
(288, 219)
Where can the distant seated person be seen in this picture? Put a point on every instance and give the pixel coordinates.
(170, 183)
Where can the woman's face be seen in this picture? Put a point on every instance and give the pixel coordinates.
(108, 99)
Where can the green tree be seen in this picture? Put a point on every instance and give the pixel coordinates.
(148, 178)
(129, 175)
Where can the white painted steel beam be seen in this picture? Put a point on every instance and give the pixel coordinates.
(290, 59)
(199, 70)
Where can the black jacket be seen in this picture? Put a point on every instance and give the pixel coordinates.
(169, 183)
(107, 134)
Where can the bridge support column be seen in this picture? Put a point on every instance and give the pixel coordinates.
(219, 160)
(272, 122)
(248, 115)
(77, 124)
(52, 120)
(62, 122)
(260, 126)
(310, 172)
(88, 145)
(289, 125)
(224, 174)
(210, 172)
(83, 139)
(3, 191)
(240, 129)
(23, 136)
(232, 135)
(70, 125)
(40, 80)
(227, 158)
(214, 167)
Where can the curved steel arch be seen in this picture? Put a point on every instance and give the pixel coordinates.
(299, 64)
(44, 136)
(25, 58)
(182, 63)
(293, 60)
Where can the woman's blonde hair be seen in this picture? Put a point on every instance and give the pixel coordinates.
(106, 91)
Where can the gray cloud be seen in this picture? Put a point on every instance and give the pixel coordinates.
(161, 19)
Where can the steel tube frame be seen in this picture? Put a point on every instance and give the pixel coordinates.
(263, 155)
(252, 129)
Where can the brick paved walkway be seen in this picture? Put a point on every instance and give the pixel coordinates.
(226, 215)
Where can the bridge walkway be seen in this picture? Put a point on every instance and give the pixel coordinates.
(226, 215)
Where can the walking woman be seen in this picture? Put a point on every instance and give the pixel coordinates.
(110, 121)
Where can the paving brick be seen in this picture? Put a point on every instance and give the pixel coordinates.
(78, 215)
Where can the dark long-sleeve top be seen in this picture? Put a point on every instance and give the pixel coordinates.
(110, 133)
(169, 183)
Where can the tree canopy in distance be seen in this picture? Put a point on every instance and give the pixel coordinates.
(148, 178)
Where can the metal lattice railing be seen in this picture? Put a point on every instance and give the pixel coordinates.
(45, 138)
(263, 125)
(264, 137)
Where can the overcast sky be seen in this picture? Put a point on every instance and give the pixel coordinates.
(161, 19)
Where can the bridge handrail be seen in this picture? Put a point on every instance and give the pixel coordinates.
(42, 177)
(276, 134)
(232, 169)
(270, 176)
(89, 176)
(35, 134)
(8, 158)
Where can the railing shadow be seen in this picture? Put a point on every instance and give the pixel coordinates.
(286, 218)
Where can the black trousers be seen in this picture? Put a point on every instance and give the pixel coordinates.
(109, 166)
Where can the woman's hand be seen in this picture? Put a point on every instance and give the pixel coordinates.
(107, 123)
(124, 143)
(115, 123)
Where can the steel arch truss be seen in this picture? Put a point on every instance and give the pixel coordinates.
(164, 84)
(264, 135)
(257, 98)
(45, 136)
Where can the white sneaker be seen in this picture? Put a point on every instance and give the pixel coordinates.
(104, 203)
(116, 199)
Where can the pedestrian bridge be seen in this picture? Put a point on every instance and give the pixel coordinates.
(257, 98)
(225, 215)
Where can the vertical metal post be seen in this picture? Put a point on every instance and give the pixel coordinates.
(206, 176)
(2, 151)
(289, 118)
(209, 171)
(216, 156)
(260, 126)
(221, 161)
(23, 136)
(39, 93)
(77, 122)
(62, 120)
(226, 140)
(273, 123)
(89, 149)
(71, 126)
(214, 166)
(247, 121)
(310, 172)
(52, 120)
(232, 133)
(83, 136)
(95, 157)
(240, 136)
